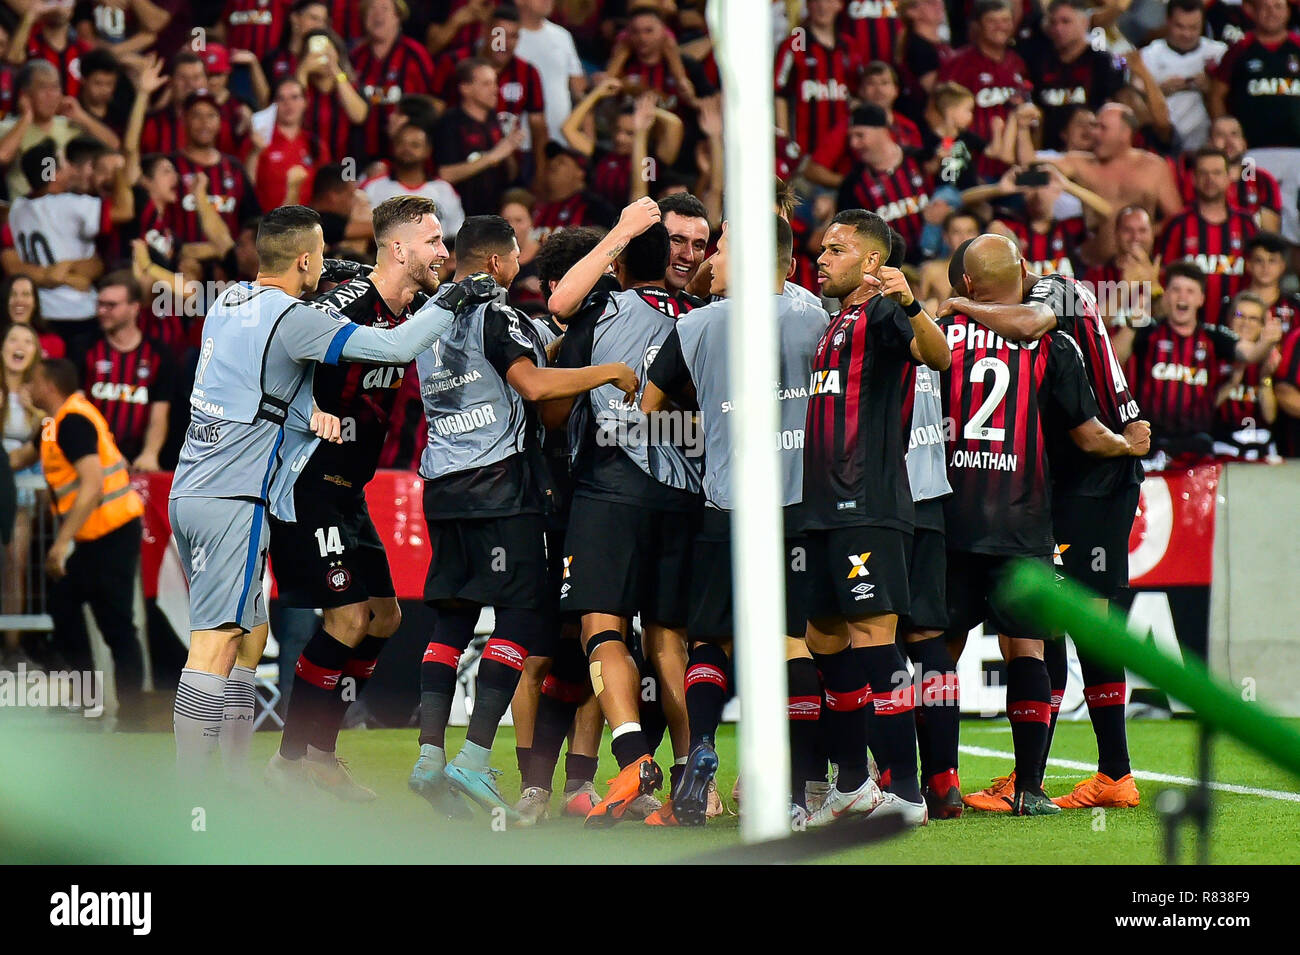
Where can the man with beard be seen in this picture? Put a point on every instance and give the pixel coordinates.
(687, 222)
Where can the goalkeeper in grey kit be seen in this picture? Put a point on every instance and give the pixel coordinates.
(253, 427)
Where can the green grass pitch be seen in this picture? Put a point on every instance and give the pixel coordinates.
(94, 797)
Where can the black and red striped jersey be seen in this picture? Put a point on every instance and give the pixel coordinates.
(326, 118)
(67, 60)
(156, 230)
(346, 18)
(361, 396)
(1250, 191)
(1287, 311)
(872, 28)
(611, 178)
(1053, 252)
(999, 86)
(407, 430)
(1178, 376)
(8, 89)
(816, 82)
(789, 157)
(520, 87)
(855, 445)
(229, 189)
(123, 385)
(382, 82)
(581, 208)
(1262, 83)
(1002, 398)
(1240, 414)
(256, 25)
(898, 195)
(1078, 315)
(164, 129)
(919, 59)
(1218, 248)
(456, 138)
(279, 64)
(1286, 429)
(1091, 79)
(657, 76)
(674, 306)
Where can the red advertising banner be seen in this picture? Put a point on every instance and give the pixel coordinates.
(1172, 543)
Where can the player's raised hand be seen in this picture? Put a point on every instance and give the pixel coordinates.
(1138, 436)
(624, 379)
(326, 427)
(894, 283)
(638, 216)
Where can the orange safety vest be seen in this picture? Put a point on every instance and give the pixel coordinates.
(120, 504)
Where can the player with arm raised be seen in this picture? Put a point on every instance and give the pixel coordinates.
(1094, 501)
(252, 429)
(331, 558)
(485, 498)
(859, 514)
(1005, 398)
(689, 370)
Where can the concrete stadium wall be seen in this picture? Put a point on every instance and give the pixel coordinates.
(1255, 594)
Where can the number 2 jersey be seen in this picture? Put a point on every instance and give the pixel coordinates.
(1003, 398)
(362, 396)
(1074, 473)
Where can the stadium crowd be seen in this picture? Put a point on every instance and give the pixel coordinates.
(1150, 149)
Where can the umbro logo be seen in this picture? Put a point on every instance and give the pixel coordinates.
(863, 591)
(859, 565)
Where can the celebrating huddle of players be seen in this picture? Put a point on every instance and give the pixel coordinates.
(578, 474)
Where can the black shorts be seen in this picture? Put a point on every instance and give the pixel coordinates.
(1092, 539)
(492, 561)
(927, 581)
(332, 555)
(973, 597)
(857, 572)
(622, 559)
(712, 598)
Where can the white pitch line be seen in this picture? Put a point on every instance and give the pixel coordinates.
(1149, 777)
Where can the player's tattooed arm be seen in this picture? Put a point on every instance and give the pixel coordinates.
(578, 282)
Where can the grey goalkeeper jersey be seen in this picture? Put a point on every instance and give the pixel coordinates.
(703, 335)
(251, 406)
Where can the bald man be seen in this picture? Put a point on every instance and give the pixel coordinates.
(1094, 502)
(1008, 401)
(1122, 174)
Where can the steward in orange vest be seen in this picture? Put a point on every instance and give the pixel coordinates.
(96, 553)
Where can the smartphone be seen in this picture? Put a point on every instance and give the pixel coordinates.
(318, 44)
(1033, 178)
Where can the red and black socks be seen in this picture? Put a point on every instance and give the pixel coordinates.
(1104, 690)
(892, 721)
(357, 672)
(452, 632)
(1056, 660)
(563, 691)
(708, 672)
(804, 709)
(315, 685)
(1029, 708)
(499, 670)
(938, 707)
(844, 718)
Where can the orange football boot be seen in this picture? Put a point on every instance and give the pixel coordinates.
(1101, 790)
(997, 798)
(663, 816)
(641, 778)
